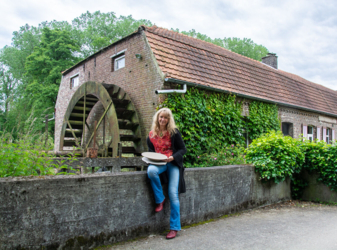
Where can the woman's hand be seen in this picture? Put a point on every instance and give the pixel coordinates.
(169, 159)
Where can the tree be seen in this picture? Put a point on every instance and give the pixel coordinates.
(54, 54)
(7, 92)
(245, 46)
(97, 30)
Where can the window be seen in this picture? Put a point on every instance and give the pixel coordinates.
(287, 129)
(74, 81)
(328, 132)
(119, 62)
(310, 133)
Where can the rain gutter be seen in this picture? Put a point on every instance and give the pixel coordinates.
(172, 80)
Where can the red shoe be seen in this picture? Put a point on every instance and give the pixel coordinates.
(159, 206)
(172, 234)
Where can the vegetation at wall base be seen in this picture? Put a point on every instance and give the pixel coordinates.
(297, 185)
(276, 157)
(322, 158)
(24, 156)
(229, 155)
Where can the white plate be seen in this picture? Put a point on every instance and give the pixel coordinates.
(148, 161)
(154, 156)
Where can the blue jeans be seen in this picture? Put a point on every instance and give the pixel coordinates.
(153, 172)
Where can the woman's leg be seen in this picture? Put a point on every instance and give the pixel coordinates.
(173, 173)
(153, 172)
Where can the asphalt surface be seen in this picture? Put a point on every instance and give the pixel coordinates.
(288, 225)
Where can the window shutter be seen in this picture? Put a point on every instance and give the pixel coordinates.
(305, 131)
(333, 135)
(318, 133)
(324, 134)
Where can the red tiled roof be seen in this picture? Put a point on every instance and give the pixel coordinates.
(192, 60)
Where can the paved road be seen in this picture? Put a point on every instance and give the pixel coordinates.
(289, 225)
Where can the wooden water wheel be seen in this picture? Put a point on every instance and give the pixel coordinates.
(112, 109)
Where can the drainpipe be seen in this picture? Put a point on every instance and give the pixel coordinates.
(167, 91)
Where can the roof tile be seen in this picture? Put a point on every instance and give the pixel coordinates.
(192, 60)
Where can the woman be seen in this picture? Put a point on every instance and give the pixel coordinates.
(165, 138)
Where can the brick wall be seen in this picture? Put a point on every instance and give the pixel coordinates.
(139, 78)
(298, 118)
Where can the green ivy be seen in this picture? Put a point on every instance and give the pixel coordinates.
(208, 122)
(322, 158)
(263, 117)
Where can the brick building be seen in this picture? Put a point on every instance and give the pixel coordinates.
(121, 79)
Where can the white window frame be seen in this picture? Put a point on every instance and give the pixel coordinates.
(116, 62)
(77, 76)
(310, 136)
(327, 135)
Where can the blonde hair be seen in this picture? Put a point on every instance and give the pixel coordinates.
(171, 125)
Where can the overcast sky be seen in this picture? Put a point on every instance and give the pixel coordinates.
(303, 33)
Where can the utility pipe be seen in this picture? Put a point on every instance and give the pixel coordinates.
(196, 85)
(168, 91)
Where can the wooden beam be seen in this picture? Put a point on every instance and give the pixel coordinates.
(72, 131)
(99, 122)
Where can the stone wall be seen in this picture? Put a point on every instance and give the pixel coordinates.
(316, 191)
(70, 212)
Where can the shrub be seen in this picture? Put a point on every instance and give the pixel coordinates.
(230, 155)
(322, 158)
(275, 156)
(23, 158)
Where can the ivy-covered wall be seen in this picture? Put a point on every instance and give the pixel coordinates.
(211, 121)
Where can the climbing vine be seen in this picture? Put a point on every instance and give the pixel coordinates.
(263, 117)
(208, 122)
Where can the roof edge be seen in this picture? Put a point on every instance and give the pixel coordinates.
(138, 31)
(250, 61)
(246, 96)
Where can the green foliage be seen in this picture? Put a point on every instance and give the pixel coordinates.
(208, 121)
(97, 30)
(37, 55)
(245, 46)
(297, 185)
(263, 117)
(322, 158)
(230, 155)
(54, 54)
(275, 156)
(24, 157)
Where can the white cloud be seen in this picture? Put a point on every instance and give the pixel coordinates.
(302, 33)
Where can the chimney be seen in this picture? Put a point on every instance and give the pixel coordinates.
(271, 60)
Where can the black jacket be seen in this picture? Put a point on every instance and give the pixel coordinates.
(179, 149)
